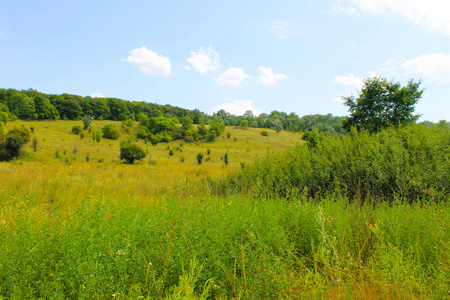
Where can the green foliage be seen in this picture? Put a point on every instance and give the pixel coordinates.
(277, 125)
(76, 129)
(243, 125)
(96, 135)
(381, 104)
(111, 132)
(187, 124)
(409, 163)
(216, 128)
(225, 159)
(131, 152)
(155, 139)
(34, 144)
(22, 107)
(87, 120)
(314, 138)
(200, 158)
(264, 133)
(201, 129)
(12, 142)
(44, 109)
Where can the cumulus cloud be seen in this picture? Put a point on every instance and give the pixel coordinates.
(204, 60)
(268, 77)
(232, 76)
(97, 95)
(435, 67)
(283, 29)
(428, 14)
(353, 80)
(349, 80)
(237, 107)
(150, 62)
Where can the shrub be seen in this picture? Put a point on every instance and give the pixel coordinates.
(264, 133)
(131, 152)
(12, 142)
(34, 144)
(76, 129)
(409, 163)
(155, 139)
(110, 131)
(211, 136)
(199, 158)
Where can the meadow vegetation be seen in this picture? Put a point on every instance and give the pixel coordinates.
(357, 216)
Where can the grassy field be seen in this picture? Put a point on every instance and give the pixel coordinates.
(80, 225)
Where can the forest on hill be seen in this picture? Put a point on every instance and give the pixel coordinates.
(34, 105)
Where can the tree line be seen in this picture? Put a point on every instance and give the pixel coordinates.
(33, 105)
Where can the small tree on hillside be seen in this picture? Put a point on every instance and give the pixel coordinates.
(278, 125)
(381, 104)
(131, 152)
(244, 124)
(87, 121)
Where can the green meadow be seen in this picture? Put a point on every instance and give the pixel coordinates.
(281, 220)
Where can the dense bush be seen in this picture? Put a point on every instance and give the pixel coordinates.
(76, 129)
(12, 142)
(110, 131)
(409, 163)
(131, 152)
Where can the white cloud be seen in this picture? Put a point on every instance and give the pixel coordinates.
(97, 95)
(353, 80)
(349, 80)
(237, 107)
(268, 77)
(232, 76)
(150, 62)
(283, 29)
(204, 60)
(429, 14)
(338, 100)
(435, 67)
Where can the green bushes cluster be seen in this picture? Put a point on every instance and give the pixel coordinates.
(408, 163)
(12, 142)
(111, 132)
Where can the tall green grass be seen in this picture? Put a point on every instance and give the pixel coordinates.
(225, 248)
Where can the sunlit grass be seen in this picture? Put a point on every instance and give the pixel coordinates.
(72, 228)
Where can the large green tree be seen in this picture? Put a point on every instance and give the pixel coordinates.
(381, 104)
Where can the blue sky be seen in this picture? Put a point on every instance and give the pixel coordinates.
(293, 56)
